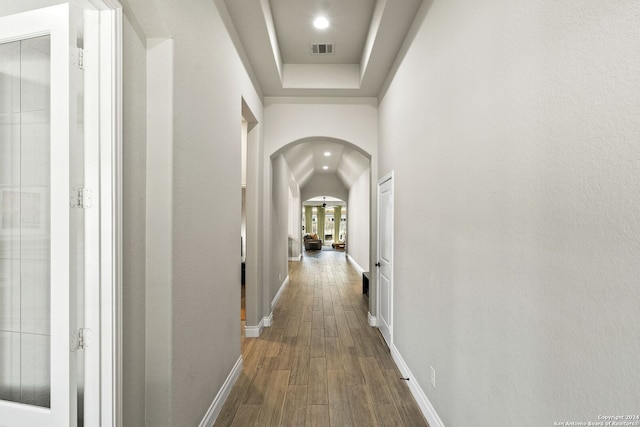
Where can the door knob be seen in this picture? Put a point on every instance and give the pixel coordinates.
(377, 264)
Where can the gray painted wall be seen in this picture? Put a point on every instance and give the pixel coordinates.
(358, 221)
(204, 292)
(291, 119)
(209, 84)
(134, 231)
(279, 253)
(295, 222)
(512, 128)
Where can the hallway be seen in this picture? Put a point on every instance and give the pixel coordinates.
(320, 364)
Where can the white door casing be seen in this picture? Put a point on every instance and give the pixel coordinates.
(385, 258)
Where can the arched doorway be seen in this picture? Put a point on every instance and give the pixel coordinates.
(317, 167)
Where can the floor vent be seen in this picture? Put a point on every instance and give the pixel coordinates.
(322, 49)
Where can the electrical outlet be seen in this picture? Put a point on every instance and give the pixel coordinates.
(433, 377)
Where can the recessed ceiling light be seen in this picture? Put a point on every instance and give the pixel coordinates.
(321, 23)
(327, 153)
(325, 167)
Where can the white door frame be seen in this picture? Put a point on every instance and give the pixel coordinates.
(103, 119)
(379, 319)
(110, 163)
(103, 123)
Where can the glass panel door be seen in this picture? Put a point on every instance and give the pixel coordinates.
(37, 282)
(25, 250)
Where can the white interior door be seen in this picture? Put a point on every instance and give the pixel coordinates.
(40, 240)
(385, 258)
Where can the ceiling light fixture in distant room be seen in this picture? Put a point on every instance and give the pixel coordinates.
(325, 167)
(327, 153)
(321, 23)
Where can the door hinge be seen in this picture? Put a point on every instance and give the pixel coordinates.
(80, 339)
(80, 198)
(78, 58)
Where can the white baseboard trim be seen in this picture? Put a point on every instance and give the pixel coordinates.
(355, 264)
(268, 320)
(295, 258)
(421, 398)
(254, 331)
(373, 321)
(216, 406)
(279, 294)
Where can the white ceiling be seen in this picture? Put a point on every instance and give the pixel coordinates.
(348, 31)
(274, 39)
(307, 159)
(330, 201)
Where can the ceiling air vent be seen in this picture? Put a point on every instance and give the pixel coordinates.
(322, 49)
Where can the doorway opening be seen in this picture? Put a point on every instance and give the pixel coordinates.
(250, 241)
(324, 219)
(325, 171)
(243, 224)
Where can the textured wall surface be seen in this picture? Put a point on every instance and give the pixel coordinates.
(288, 120)
(279, 252)
(134, 213)
(512, 128)
(358, 221)
(204, 296)
(209, 83)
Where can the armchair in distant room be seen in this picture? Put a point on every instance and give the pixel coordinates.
(312, 242)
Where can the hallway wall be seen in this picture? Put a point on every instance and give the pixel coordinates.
(279, 250)
(512, 128)
(291, 119)
(295, 223)
(203, 305)
(358, 226)
(134, 229)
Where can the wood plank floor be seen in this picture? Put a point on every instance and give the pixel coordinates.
(320, 364)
